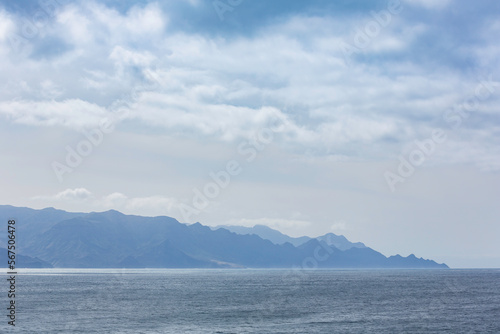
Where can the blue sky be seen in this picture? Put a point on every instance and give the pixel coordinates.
(373, 119)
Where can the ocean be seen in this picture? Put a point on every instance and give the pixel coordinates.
(253, 301)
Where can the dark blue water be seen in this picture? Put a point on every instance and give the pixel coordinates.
(255, 301)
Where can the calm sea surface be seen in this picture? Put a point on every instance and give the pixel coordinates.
(254, 301)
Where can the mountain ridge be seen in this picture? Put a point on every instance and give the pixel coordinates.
(111, 239)
(279, 238)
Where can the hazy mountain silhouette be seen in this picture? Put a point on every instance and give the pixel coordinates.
(22, 261)
(265, 232)
(276, 237)
(114, 240)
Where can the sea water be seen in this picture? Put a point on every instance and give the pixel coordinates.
(253, 301)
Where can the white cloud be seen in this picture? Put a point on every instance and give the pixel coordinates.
(123, 57)
(6, 25)
(91, 22)
(49, 90)
(145, 21)
(71, 113)
(74, 194)
(77, 194)
(76, 27)
(114, 200)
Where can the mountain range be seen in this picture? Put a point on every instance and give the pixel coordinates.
(276, 237)
(110, 239)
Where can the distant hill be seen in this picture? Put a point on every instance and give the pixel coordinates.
(278, 238)
(23, 261)
(113, 240)
(340, 241)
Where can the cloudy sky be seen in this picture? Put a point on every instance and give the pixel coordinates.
(373, 119)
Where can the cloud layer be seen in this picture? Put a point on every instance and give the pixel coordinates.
(90, 60)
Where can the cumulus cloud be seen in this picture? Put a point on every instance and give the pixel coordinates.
(77, 194)
(82, 20)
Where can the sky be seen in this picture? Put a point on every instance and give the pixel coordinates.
(378, 120)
